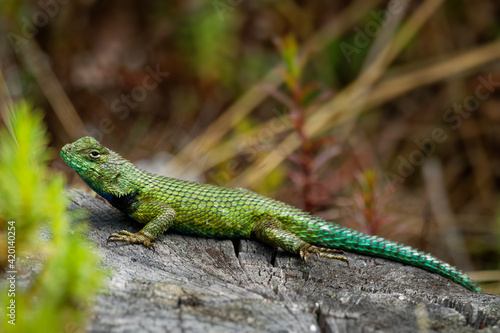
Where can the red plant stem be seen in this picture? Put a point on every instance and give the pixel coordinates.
(305, 155)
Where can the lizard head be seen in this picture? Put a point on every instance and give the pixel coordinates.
(96, 165)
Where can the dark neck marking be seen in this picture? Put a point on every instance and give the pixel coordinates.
(128, 203)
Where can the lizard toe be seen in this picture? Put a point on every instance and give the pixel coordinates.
(333, 254)
(132, 238)
(304, 255)
(307, 250)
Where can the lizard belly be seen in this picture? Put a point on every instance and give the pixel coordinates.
(218, 224)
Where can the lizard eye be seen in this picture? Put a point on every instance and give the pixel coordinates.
(94, 154)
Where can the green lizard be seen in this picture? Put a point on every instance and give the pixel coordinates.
(163, 203)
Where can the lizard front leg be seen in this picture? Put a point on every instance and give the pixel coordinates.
(270, 230)
(158, 218)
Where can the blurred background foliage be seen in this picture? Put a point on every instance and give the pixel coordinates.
(381, 115)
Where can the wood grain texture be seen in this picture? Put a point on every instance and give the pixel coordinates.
(195, 284)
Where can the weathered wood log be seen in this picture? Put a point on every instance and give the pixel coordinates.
(196, 284)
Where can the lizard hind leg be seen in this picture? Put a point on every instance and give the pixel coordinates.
(271, 231)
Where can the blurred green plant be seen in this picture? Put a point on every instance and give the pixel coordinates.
(58, 295)
(213, 61)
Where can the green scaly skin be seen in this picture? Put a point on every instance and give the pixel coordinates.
(163, 203)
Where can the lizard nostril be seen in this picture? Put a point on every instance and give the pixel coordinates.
(67, 148)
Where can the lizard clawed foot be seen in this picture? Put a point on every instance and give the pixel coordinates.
(128, 237)
(306, 251)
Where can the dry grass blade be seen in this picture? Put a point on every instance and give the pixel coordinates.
(327, 115)
(52, 89)
(408, 79)
(6, 103)
(443, 214)
(255, 95)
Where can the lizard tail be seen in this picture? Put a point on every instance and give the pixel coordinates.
(331, 235)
